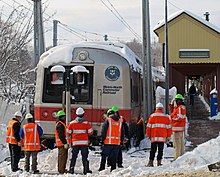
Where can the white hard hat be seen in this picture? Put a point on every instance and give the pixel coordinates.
(80, 111)
(159, 105)
(28, 116)
(18, 114)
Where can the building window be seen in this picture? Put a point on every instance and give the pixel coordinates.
(194, 53)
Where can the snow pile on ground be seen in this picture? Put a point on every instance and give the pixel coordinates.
(134, 162)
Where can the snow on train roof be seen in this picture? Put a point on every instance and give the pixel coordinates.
(63, 53)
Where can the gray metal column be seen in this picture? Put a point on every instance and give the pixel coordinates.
(146, 56)
(55, 22)
(39, 46)
(166, 62)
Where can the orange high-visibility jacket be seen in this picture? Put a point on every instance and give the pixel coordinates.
(58, 141)
(31, 137)
(158, 127)
(80, 132)
(10, 133)
(113, 135)
(178, 118)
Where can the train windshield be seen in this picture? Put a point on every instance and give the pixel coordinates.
(79, 85)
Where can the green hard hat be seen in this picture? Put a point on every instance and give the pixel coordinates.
(179, 96)
(61, 113)
(115, 108)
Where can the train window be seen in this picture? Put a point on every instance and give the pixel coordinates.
(80, 86)
(57, 78)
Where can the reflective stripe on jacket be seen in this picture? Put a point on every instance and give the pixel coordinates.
(57, 139)
(158, 127)
(178, 118)
(113, 135)
(10, 133)
(80, 132)
(31, 137)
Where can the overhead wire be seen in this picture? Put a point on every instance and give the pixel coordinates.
(69, 28)
(174, 5)
(120, 18)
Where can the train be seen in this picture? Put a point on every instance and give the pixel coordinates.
(97, 75)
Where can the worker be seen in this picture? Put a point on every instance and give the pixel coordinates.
(61, 137)
(178, 119)
(14, 141)
(126, 138)
(80, 130)
(159, 131)
(31, 133)
(112, 134)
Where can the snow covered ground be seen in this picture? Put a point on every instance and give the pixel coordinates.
(193, 163)
(134, 162)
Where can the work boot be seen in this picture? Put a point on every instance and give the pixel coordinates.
(120, 166)
(86, 167)
(159, 163)
(71, 170)
(36, 171)
(72, 165)
(102, 164)
(150, 163)
(113, 164)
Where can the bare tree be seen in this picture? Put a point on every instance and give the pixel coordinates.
(156, 51)
(15, 59)
(135, 46)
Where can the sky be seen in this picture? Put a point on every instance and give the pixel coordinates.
(91, 19)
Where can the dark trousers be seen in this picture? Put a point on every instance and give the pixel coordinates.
(110, 151)
(62, 159)
(191, 99)
(153, 150)
(119, 158)
(84, 152)
(15, 153)
(28, 155)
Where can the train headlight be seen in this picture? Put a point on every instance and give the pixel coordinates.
(45, 114)
(54, 115)
(82, 55)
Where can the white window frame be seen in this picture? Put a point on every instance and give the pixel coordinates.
(193, 53)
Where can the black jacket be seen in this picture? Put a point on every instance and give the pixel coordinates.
(16, 127)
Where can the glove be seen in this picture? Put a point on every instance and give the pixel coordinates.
(66, 146)
(19, 143)
(168, 140)
(125, 140)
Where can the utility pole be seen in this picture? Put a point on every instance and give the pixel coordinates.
(146, 55)
(166, 62)
(39, 46)
(55, 22)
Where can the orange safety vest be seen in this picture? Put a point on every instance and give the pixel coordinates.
(80, 132)
(158, 127)
(178, 118)
(31, 137)
(10, 133)
(58, 141)
(113, 135)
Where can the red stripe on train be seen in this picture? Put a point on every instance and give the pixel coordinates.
(91, 115)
